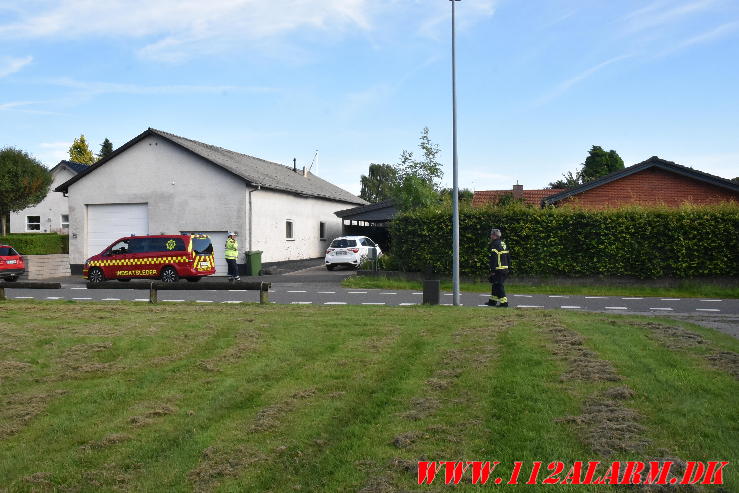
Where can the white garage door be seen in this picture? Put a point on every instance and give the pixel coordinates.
(218, 238)
(108, 222)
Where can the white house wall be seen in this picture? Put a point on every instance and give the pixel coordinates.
(50, 209)
(272, 209)
(183, 191)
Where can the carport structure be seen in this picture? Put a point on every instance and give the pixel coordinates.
(370, 220)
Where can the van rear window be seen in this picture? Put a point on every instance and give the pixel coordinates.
(343, 243)
(202, 246)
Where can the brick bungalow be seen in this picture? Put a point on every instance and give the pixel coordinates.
(482, 198)
(652, 182)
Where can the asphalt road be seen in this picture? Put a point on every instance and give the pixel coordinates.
(316, 286)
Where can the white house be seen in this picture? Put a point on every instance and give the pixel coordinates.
(160, 183)
(51, 215)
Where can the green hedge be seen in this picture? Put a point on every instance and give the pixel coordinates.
(633, 242)
(37, 243)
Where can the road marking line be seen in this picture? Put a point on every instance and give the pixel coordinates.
(373, 303)
(407, 304)
(557, 296)
(176, 301)
(53, 298)
(24, 297)
(707, 310)
(272, 291)
(669, 299)
(335, 303)
(448, 294)
(569, 306)
(232, 301)
(301, 302)
(77, 288)
(81, 298)
(595, 297)
(616, 308)
(388, 293)
(297, 291)
(527, 306)
(203, 301)
(712, 300)
(666, 309)
(325, 292)
(115, 299)
(357, 292)
(141, 299)
(519, 295)
(632, 298)
(416, 293)
(451, 304)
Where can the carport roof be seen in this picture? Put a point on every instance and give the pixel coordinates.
(254, 170)
(381, 211)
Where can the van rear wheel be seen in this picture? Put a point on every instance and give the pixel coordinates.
(169, 275)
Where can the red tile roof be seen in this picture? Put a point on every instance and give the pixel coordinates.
(531, 197)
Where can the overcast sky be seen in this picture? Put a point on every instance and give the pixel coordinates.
(539, 81)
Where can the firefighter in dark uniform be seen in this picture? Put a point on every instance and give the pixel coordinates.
(500, 261)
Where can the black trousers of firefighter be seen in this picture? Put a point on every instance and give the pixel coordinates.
(497, 279)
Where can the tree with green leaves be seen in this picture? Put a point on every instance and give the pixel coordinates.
(79, 152)
(106, 149)
(418, 179)
(24, 182)
(379, 183)
(598, 163)
(735, 180)
(464, 196)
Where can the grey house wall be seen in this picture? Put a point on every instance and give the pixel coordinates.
(50, 209)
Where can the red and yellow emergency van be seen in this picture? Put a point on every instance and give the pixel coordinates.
(167, 257)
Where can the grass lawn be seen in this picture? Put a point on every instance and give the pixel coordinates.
(682, 289)
(134, 397)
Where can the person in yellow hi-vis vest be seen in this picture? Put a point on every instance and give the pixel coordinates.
(232, 253)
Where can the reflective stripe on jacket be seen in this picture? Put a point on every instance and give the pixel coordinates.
(232, 248)
(499, 257)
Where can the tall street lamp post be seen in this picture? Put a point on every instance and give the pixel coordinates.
(455, 186)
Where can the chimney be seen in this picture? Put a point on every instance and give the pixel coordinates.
(295, 166)
(518, 191)
(305, 172)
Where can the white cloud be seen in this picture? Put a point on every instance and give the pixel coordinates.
(566, 85)
(706, 37)
(174, 30)
(94, 88)
(51, 153)
(660, 13)
(12, 65)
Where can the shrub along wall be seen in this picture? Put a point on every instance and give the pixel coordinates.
(37, 243)
(634, 242)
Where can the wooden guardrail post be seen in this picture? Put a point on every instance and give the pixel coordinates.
(153, 297)
(264, 293)
(2, 294)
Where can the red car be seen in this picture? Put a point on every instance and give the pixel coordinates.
(167, 257)
(11, 263)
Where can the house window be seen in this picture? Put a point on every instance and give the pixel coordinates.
(322, 230)
(289, 230)
(33, 223)
(65, 221)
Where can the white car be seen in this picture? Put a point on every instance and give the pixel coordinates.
(350, 250)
